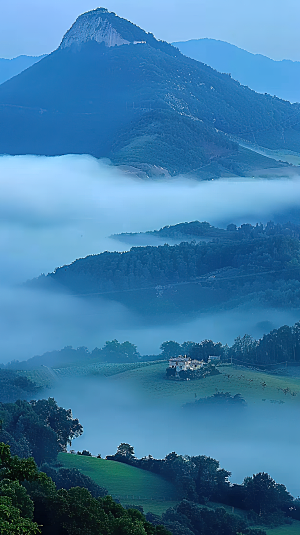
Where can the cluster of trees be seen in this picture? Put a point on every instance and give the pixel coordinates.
(201, 480)
(112, 351)
(198, 351)
(31, 504)
(14, 386)
(189, 518)
(219, 398)
(40, 429)
(279, 346)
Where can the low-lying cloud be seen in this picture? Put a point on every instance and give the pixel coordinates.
(54, 210)
(263, 438)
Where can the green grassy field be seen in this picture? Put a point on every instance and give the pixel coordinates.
(254, 386)
(134, 486)
(128, 484)
(150, 379)
(294, 529)
(43, 377)
(47, 377)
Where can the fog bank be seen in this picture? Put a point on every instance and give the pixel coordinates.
(54, 210)
(263, 438)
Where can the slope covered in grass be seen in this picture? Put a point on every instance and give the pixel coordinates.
(293, 529)
(253, 385)
(126, 483)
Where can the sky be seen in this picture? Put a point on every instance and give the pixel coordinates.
(268, 27)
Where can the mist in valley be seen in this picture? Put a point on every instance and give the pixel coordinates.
(54, 210)
(262, 437)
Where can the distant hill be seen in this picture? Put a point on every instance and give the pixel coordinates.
(257, 263)
(113, 90)
(264, 75)
(12, 67)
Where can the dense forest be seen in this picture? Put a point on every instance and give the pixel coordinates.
(250, 263)
(39, 428)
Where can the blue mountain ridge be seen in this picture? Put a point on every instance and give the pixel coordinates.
(14, 66)
(260, 73)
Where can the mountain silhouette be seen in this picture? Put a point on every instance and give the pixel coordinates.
(112, 90)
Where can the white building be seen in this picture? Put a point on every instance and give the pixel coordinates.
(185, 363)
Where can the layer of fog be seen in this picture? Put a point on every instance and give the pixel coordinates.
(54, 210)
(263, 438)
(33, 323)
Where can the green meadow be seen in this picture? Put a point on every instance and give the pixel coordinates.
(134, 486)
(150, 379)
(126, 483)
(254, 386)
(293, 529)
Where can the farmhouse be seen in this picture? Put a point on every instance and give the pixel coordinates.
(185, 363)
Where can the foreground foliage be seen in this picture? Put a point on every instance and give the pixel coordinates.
(40, 429)
(201, 480)
(30, 504)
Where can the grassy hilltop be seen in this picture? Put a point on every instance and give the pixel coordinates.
(150, 379)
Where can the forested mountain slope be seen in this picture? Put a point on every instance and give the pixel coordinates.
(257, 262)
(113, 90)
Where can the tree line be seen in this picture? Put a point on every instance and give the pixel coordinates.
(201, 481)
(280, 346)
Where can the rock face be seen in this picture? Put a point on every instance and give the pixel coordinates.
(93, 26)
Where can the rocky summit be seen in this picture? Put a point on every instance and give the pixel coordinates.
(96, 25)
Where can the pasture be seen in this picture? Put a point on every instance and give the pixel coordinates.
(254, 386)
(132, 485)
(149, 378)
(126, 483)
(293, 529)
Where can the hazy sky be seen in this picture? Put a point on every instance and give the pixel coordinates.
(269, 27)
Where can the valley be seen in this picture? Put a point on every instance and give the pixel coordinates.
(149, 283)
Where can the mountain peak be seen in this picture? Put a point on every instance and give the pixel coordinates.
(103, 26)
